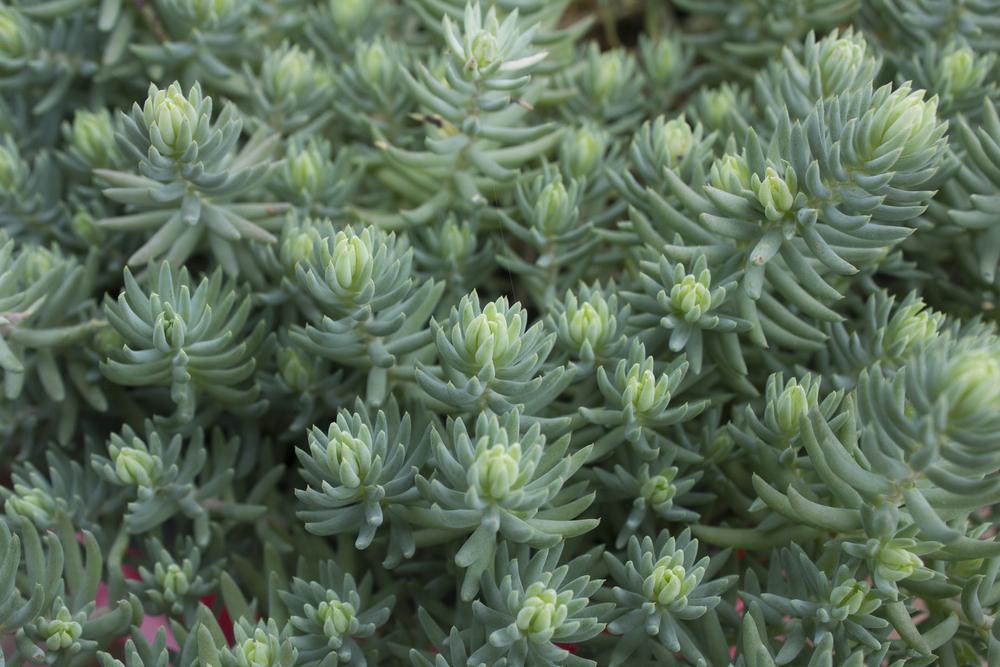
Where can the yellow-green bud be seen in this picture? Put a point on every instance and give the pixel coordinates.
(61, 632)
(173, 580)
(606, 76)
(971, 381)
(731, 173)
(38, 263)
(337, 618)
(663, 59)
(960, 72)
(375, 66)
(677, 138)
(642, 389)
(33, 504)
(849, 598)
(590, 322)
(12, 34)
(483, 50)
(494, 474)
(541, 612)
(912, 326)
(895, 563)
(907, 121)
(840, 60)
(718, 104)
(295, 370)
(82, 224)
(457, 241)
(209, 12)
(134, 466)
(489, 337)
(11, 170)
(348, 15)
(305, 169)
(774, 194)
(255, 651)
(297, 247)
(170, 112)
(93, 136)
(691, 297)
(349, 456)
(792, 406)
(351, 261)
(582, 150)
(292, 74)
(659, 489)
(552, 210)
(668, 583)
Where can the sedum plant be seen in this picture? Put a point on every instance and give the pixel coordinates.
(507, 333)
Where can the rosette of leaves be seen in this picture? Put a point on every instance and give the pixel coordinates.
(737, 38)
(957, 74)
(692, 309)
(532, 606)
(490, 358)
(726, 109)
(199, 40)
(334, 618)
(824, 200)
(656, 490)
(589, 325)
(292, 92)
(371, 314)
(807, 604)
(334, 25)
(361, 469)
(63, 575)
(261, 644)
(457, 254)
(548, 220)
(659, 145)
(45, 314)
(502, 481)
(477, 138)
(191, 180)
(192, 340)
(371, 99)
(608, 86)
(663, 588)
(451, 647)
(43, 60)
(884, 331)
(173, 586)
(313, 183)
(139, 652)
(29, 194)
(171, 477)
(637, 396)
(667, 61)
(916, 22)
(824, 69)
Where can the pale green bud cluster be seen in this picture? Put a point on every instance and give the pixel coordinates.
(92, 135)
(677, 138)
(644, 390)
(171, 119)
(912, 326)
(971, 383)
(581, 150)
(349, 15)
(12, 34)
(692, 296)
(542, 612)
(291, 72)
(663, 59)
(894, 562)
(256, 651)
(134, 465)
(458, 241)
(792, 406)
(730, 173)
(351, 261)
(490, 337)
(496, 471)
(669, 583)
(553, 209)
(12, 169)
(853, 598)
(173, 580)
(295, 369)
(33, 504)
(337, 618)
(62, 631)
(659, 489)
(775, 193)
(839, 61)
(349, 455)
(305, 165)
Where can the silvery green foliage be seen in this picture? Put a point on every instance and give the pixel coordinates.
(499, 332)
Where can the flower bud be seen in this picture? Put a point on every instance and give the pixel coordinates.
(172, 114)
(662, 59)
(489, 337)
(12, 169)
(33, 504)
(792, 406)
(669, 583)
(895, 563)
(134, 466)
(484, 49)
(850, 597)
(774, 194)
(971, 381)
(305, 167)
(580, 152)
(691, 297)
(906, 121)
(606, 75)
(960, 72)
(676, 138)
(38, 262)
(731, 173)
(297, 247)
(717, 105)
(295, 369)
(457, 241)
(840, 61)
(553, 212)
(494, 474)
(351, 261)
(659, 489)
(61, 632)
(92, 135)
(590, 322)
(291, 72)
(256, 651)
(374, 64)
(348, 456)
(337, 618)
(349, 15)
(12, 34)
(173, 580)
(541, 612)
(642, 389)
(910, 327)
